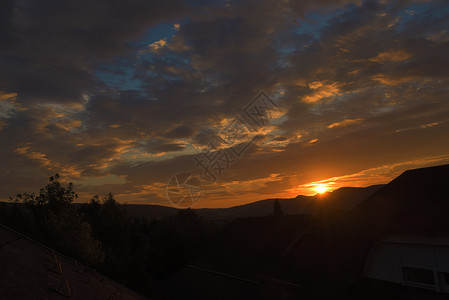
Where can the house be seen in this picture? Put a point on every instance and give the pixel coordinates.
(411, 260)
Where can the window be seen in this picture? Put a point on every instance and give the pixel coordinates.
(420, 276)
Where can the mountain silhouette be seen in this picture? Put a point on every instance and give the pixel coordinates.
(343, 198)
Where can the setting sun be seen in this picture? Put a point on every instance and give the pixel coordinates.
(321, 188)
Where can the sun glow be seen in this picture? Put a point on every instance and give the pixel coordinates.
(321, 188)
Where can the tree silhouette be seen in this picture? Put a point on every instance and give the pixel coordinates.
(51, 219)
(277, 210)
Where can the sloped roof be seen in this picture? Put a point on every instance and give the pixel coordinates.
(423, 239)
(29, 270)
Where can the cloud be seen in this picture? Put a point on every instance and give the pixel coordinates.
(391, 80)
(53, 60)
(345, 122)
(157, 45)
(82, 95)
(321, 91)
(392, 55)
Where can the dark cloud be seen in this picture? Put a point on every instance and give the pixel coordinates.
(182, 131)
(364, 86)
(50, 47)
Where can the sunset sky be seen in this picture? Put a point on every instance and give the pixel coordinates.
(120, 96)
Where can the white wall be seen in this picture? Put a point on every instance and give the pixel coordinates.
(382, 263)
(386, 260)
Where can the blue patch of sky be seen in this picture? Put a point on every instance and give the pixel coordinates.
(169, 59)
(409, 13)
(307, 31)
(155, 33)
(314, 21)
(7, 110)
(119, 73)
(422, 12)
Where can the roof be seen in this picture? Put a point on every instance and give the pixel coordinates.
(30, 270)
(430, 239)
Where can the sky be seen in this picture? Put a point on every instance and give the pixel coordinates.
(233, 100)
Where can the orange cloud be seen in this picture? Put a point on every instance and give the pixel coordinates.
(157, 44)
(392, 55)
(345, 122)
(322, 90)
(423, 126)
(69, 124)
(238, 192)
(301, 82)
(10, 97)
(9, 101)
(390, 80)
(38, 157)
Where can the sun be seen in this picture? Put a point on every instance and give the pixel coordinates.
(321, 188)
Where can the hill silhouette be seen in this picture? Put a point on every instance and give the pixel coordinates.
(343, 198)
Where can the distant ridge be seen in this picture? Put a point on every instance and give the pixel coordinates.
(343, 198)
